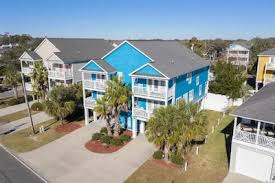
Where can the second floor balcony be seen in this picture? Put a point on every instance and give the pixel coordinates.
(28, 86)
(95, 84)
(151, 91)
(61, 74)
(270, 66)
(89, 102)
(26, 70)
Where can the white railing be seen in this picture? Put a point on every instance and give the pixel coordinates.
(95, 84)
(26, 70)
(89, 102)
(62, 74)
(270, 66)
(150, 91)
(142, 113)
(28, 86)
(252, 138)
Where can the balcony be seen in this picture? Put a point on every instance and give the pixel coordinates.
(28, 86)
(60, 74)
(159, 92)
(142, 113)
(89, 102)
(264, 138)
(26, 70)
(270, 66)
(95, 84)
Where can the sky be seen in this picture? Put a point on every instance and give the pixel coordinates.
(139, 19)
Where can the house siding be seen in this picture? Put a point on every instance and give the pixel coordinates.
(76, 74)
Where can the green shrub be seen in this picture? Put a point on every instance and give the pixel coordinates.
(104, 130)
(177, 159)
(96, 136)
(37, 106)
(116, 142)
(105, 139)
(158, 154)
(20, 100)
(124, 138)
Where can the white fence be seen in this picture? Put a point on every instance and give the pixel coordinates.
(218, 102)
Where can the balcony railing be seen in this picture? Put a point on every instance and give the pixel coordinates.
(270, 66)
(26, 70)
(142, 113)
(95, 84)
(250, 137)
(89, 102)
(159, 92)
(62, 74)
(28, 86)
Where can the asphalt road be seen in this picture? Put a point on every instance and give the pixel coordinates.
(13, 171)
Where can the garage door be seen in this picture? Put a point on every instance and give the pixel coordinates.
(253, 164)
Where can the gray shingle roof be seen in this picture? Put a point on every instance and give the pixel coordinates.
(75, 50)
(34, 55)
(268, 52)
(105, 65)
(260, 106)
(170, 57)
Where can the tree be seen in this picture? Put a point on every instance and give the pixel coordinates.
(104, 110)
(39, 78)
(12, 78)
(198, 46)
(173, 128)
(229, 80)
(60, 103)
(118, 96)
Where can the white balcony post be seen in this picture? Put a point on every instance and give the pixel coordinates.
(86, 112)
(134, 128)
(258, 131)
(235, 126)
(166, 92)
(94, 115)
(83, 88)
(142, 127)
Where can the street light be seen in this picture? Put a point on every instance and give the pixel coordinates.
(27, 102)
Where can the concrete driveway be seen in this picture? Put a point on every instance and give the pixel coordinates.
(67, 160)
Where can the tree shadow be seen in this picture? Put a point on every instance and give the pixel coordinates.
(228, 133)
(77, 115)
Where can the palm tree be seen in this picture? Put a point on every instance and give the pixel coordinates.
(12, 78)
(61, 102)
(104, 110)
(118, 96)
(39, 77)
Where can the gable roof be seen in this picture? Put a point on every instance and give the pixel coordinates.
(270, 51)
(33, 55)
(147, 70)
(105, 65)
(98, 65)
(170, 57)
(260, 106)
(76, 50)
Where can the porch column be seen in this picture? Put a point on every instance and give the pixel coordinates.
(235, 126)
(142, 126)
(94, 115)
(86, 113)
(134, 128)
(258, 132)
(166, 94)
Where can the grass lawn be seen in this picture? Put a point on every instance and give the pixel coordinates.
(15, 116)
(210, 166)
(24, 140)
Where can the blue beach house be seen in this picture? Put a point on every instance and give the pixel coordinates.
(159, 72)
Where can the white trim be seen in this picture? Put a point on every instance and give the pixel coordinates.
(43, 43)
(272, 123)
(149, 98)
(130, 45)
(253, 145)
(24, 164)
(81, 69)
(178, 99)
(144, 76)
(47, 59)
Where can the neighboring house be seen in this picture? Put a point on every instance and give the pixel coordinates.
(237, 55)
(265, 68)
(253, 142)
(63, 57)
(159, 72)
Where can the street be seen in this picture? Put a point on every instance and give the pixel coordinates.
(13, 171)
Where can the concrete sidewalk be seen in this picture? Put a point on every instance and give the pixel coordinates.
(15, 108)
(238, 178)
(23, 123)
(67, 160)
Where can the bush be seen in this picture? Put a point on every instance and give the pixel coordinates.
(177, 159)
(37, 106)
(96, 136)
(20, 100)
(124, 138)
(116, 142)
(104, 130)
(105, 139)
(158, 154)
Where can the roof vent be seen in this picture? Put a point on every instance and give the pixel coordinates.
(78, 52)
(114, 45)
(172, 61)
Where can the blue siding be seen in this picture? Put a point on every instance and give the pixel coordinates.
(92, 66)
(182, 86)
(94, 94)
(142, 103)
(148, 70)
(93, 76)
(126, 59)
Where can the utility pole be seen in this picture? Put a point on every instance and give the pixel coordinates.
(27, 102)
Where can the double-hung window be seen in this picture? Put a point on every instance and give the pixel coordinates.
(200, 90)
(189, 78)
(191, 95)
(197, 80)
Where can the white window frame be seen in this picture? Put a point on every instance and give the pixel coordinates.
(197, 80)
(200, 90)
(191, 95)
(189, 78)
(272, 60)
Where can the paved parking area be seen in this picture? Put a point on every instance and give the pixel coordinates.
(67, 160)
(238, 178)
